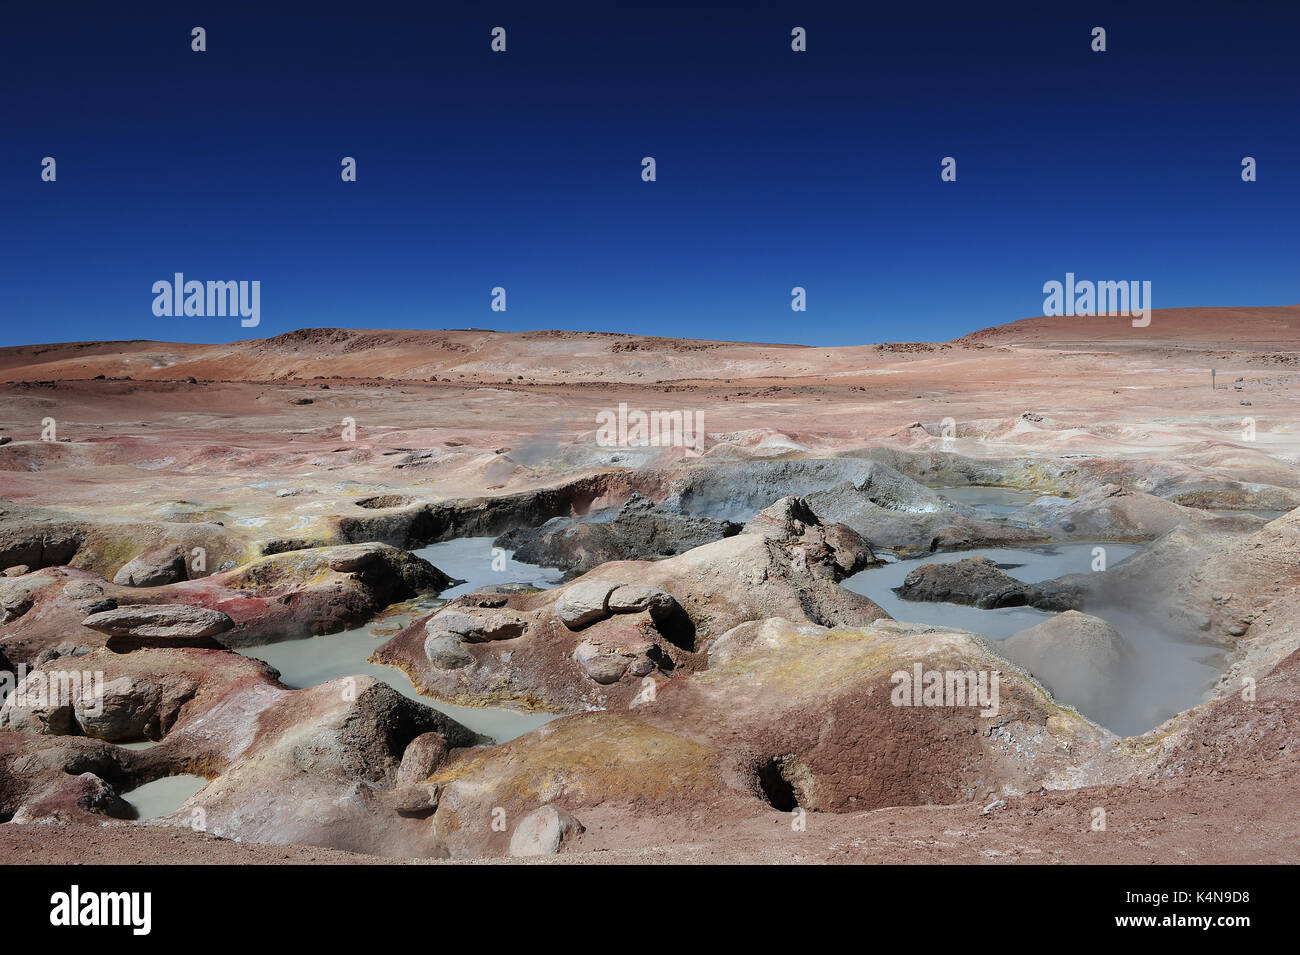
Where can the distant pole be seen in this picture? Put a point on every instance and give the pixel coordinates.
(1212, 386)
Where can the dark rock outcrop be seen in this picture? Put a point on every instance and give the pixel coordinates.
(641, 530)
(979, 582)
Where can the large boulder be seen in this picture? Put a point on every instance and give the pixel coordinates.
(543, 831)
(585, 602)
(423, 755)
(468, 620)
(42, 705)
(640, 530)
(61, 779)
(604, 665)
(158, 625)
(974, 581)
(152, 569)
(979, 582)
(134, 707)
(446, 651)
(82, 793)
(832, 551)
(635, 598)
(478, 627)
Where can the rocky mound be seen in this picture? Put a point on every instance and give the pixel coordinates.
(1268, 324)
(811, 721)
(979, 582)
(640, 530)
(132, 552)
(888, 508)
(324, 769)
(1111, 513)
(279, 597)
(135, 696)
(341, 765)
(35, 537)
(595, 641)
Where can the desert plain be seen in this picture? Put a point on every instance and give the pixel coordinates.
(679, 643)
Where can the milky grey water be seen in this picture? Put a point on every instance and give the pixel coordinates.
(996, 501)
(140, 744)
(1171, 671)
(475, 560)
(1032, 564)
(314, 660)
(1263, 515)
(163, 796)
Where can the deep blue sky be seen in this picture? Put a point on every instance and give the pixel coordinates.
(775, 169)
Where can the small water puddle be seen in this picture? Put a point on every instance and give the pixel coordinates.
(163, 796)
(997, 501)
(476, 561)
(1263, 515)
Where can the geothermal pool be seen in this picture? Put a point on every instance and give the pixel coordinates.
(315, 660)
(470, 559)
(1032, 564)
(1170, 672)
(163, 796)
(995, 501)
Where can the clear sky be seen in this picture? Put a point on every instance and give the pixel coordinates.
(523, 169)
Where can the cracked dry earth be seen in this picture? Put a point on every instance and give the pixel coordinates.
(722, 685)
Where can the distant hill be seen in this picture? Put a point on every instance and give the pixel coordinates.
(600, 357)
(1230, 326)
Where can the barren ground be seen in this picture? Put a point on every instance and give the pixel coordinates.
(219, 428)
